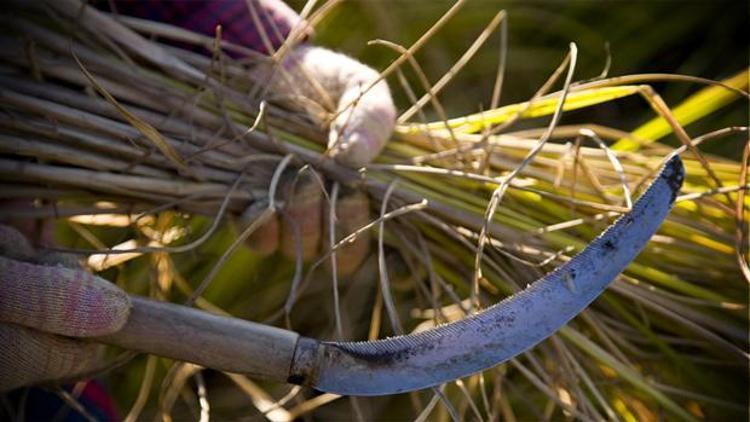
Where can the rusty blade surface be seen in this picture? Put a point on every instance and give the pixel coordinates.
(478, 342)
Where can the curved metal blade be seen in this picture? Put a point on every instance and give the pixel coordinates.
(478, 342)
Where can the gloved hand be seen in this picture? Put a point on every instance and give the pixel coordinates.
(362, 114)
(327, 84)
(340, 93)
(45, 304)
(344, 94)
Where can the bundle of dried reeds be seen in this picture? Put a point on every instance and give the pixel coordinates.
(123, 137)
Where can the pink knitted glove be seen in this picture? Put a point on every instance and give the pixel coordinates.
(313, 78)
(43, 304)
(362, 110)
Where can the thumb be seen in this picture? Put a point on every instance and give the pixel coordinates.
(364, 115)
(364, 122)
(60, 300)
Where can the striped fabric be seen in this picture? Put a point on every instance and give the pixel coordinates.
(203, 16)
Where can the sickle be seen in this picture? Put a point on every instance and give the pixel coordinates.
(414, 361)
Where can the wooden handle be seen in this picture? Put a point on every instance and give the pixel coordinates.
(213, 341)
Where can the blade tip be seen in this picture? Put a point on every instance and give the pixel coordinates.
(674, 174)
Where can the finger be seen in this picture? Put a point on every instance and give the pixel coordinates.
(365, 114)
(264, 241)
(60, 300)
(54, 258)
(37, 231)
(302, 219)
(352, 213)
(14, 245)
(364, 123)
(28, 357)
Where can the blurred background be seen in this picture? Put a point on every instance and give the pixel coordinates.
(694, 37)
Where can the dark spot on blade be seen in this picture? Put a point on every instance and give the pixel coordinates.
(674, 174)
(505, 321)
(608, 245)
(384, 355)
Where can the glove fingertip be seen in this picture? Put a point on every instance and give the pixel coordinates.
(358, 135)
(302, 220)
(352, 213)
(105, 309)
(60, 300)
(264, 241)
